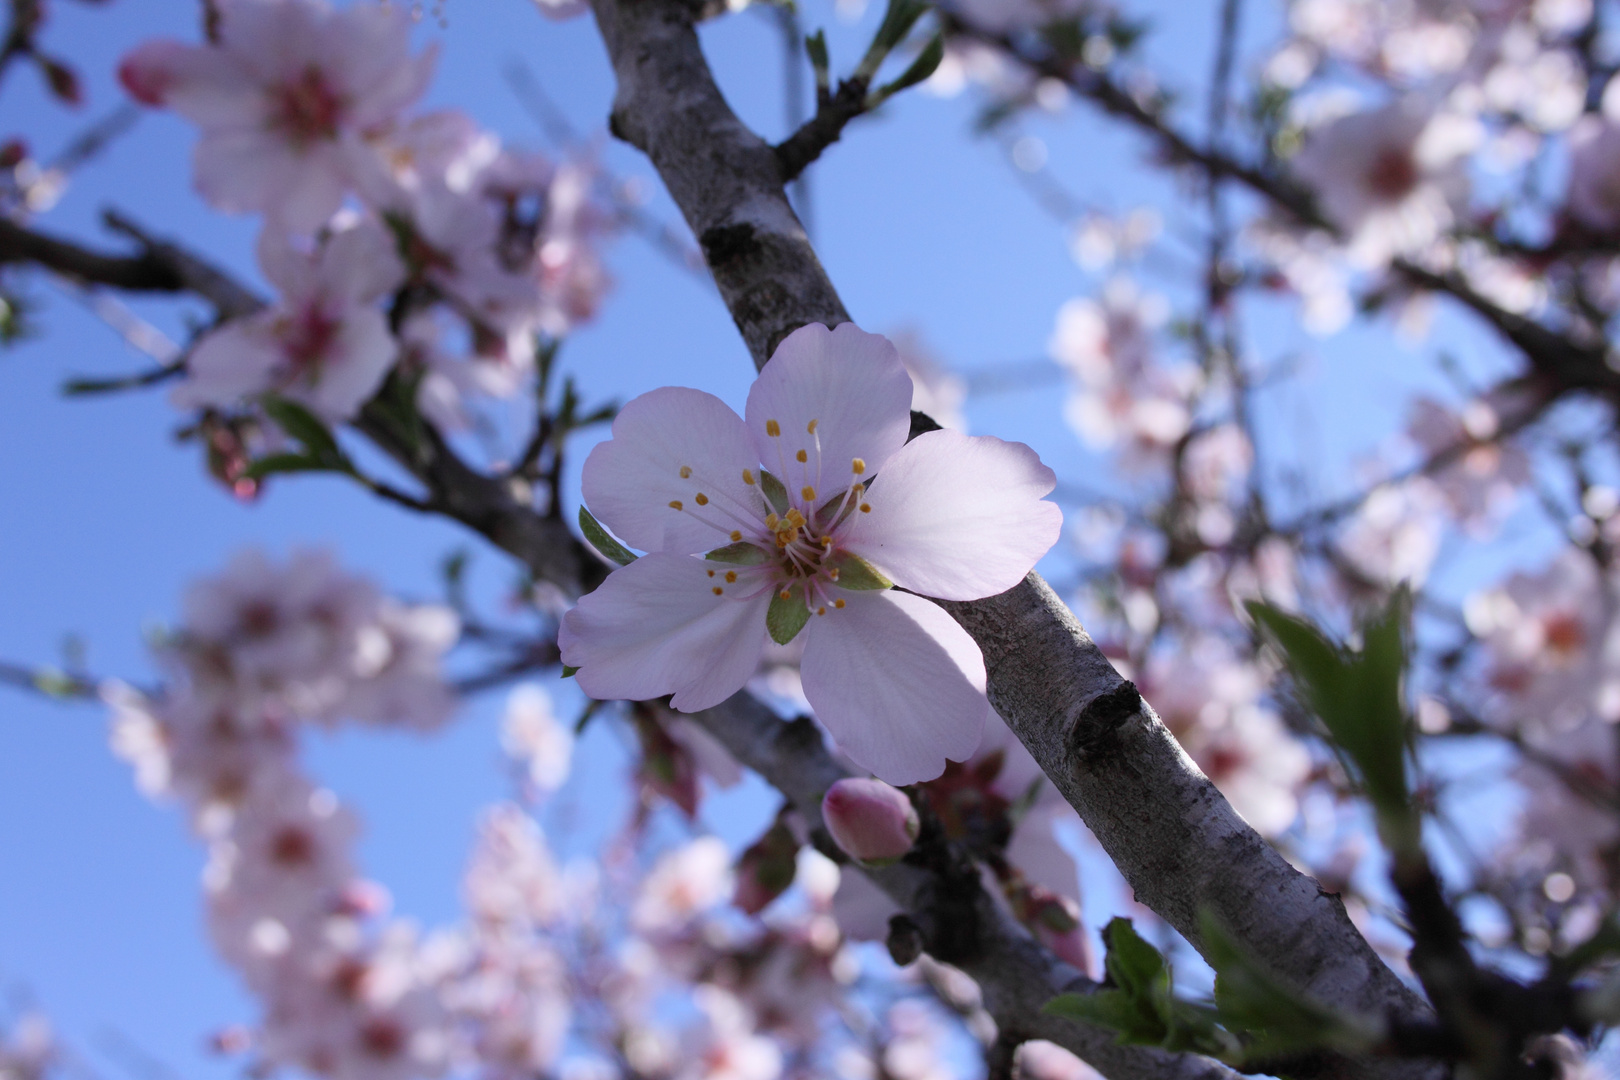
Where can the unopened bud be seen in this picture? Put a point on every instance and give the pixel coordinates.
(874, 823)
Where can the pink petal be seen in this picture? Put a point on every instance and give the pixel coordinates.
(851, 384)
(656, 627)
(630, 481)
(898, 683)
(352, 367)
(958, 517)
(236, 361)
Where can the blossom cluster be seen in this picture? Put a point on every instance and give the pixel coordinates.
(307, 117)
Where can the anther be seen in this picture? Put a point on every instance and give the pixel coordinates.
(785, 594)
(802, 457)
(821, 611)
(773, 429)
(718, 590)
(866, 508)
(808, 492)
(686, 472)
(771, 521)
(731, 577)
(812, 428)
(675, 504)
(711, 573)
(826, 541)
(702, 499)
(832, 574)
(748, 477)
(857, 466)
(736, 534)
(839, 603)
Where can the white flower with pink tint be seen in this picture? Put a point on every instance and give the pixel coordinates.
(1390, 179)
(532, 735)
(683, 885)
(843, 508)
(326, 345)
(1594, 174)
(287, 100)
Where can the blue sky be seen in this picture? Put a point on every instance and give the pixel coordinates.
(104, 518)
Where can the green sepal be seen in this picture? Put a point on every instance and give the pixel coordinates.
(286, 463)
(926, 63)
(856, 573)
(742, 553)
(302, 425)
(568, 672)
(776, 492)
(603, 541)
(785, 618)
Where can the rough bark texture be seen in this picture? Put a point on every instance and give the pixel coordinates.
(1175, 838)
(726, 179)
(958, 920)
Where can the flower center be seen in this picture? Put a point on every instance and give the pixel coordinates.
(786, 537)
(307, 108)
(1393, 174)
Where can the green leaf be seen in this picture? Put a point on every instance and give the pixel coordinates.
(742, 553)
(603, 541)
(302, 425)
(1111, 1009)
(785, 618)
(1276, 1020)
(776, 492)
(286, 463)
(815, 47)
(851, 571)
(1134, 965)
(926, 63)
(1357, 695)
(568, 672)
(898, 20)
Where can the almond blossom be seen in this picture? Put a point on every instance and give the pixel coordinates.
(844, 508)
(326, 345)
(288, 100)
(1391, 178)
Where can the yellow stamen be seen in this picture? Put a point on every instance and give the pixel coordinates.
(866, 508)
(731, 577)
(675, 504)
(785, 594)
(812, 428)
(736, 534)
(838, 604)
(826, 541)
(795, 518)
(808, 492)
(718, 590)
(702, 499)
(857, 466)
(771, 521)
(821, 611)
(711, 573)
(802, 457)
(832, 574)
(686, 472)
(748, 477)
(773, 429)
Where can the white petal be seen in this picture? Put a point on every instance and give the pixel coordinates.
(656, 627)
(898, 683)
(958, 517)
(630, 481)
(351, 369)
(851, 383)
(234, 362)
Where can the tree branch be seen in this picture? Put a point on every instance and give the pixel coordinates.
(833, 112)
(1174, 837)
(939, 887)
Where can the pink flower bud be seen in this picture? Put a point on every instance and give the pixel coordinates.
(873, 822)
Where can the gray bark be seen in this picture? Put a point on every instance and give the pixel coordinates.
(1175, 838)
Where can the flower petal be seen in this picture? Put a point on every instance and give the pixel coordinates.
(656, 627)
(630, 481)
(958, 517)
(898, 683)
(851, 384)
